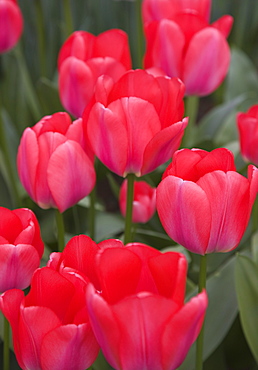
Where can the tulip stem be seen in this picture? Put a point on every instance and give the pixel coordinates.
(41, 37)
(191, 111)
(6, 362)
(92, 214)
(140, 46)
(60, 230)
(68, 17)
(9, 167)
(129, 208)
(200, 339)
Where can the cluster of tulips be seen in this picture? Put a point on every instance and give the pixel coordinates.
(123, 298)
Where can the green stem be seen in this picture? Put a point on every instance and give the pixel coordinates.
(41, 37)
(129, 208)
(140, 40)
(255, 216)
(191, 111)
(68, 17)
(92, 214)
(200, 339)
(28, 86)
(60, 230)
(6, 362)
(9, 167)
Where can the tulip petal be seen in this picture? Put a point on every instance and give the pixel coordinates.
(17, 264)
(104, 326)
(114, 43)
(80, 253)
(114, 266)
(229, 196)
(10, 303)
(73, 181)
(27, 161)
(206, 62)
(47, 143)
(183, 330)
(162, 146)
(169, 271)
(10, 225)
(165, 44)
(35, 323)
(185, 213)
(76, 85)
(69, 347)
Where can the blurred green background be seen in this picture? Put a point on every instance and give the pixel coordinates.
(28, 91)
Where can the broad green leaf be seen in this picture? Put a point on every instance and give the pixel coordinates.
(242, 78)
(221, 312)
(246, 275)
(214, 120)
(108, 225)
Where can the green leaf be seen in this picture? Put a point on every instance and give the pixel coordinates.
(215, 119)
(246, 276)
(242, 78)
(221, 312)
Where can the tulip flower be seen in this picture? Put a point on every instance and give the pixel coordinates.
(52, 162)
(11, 24)
(139, 317)
(183, 44)
(136, 123)
(247, 124)
(21, 248)
(79, 254)
(50, 325)
(203, 203)
(83, 58)
(144, 201)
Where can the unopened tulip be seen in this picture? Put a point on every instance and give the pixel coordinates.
(52, 162)
(50, 325)
(183, 44)
(139, 316)
(11, 24)
(83, 58)
(247, 124)
(136, 123)
(144, 201)
(203, 203)
(21, 248)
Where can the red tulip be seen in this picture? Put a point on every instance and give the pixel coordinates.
(50, 325)
(11, 24)
(21, 247)
(203, 203)
(52, 163)
(144, 201)
(83, 58)
(139, 318)
(79, 254)
(183, 44)
(248, 133)
(135, 124)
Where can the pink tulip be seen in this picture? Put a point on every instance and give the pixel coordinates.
(144, 201)
(11, 24)
(50, 325)
(139, 317)
(21, 247)
(247, 124)
(52, 162)
(83, 58)
(203, 203)
(183, 44)
(135, 124)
